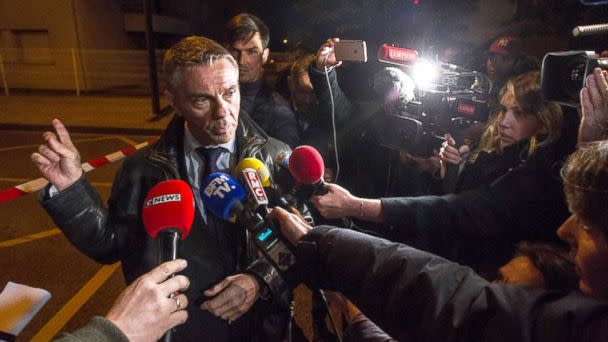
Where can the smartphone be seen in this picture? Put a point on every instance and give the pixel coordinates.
(351, 50)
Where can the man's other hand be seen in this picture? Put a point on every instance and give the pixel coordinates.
(234, 296)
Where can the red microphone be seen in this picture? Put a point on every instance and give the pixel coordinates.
(168, 213)
(307, 167)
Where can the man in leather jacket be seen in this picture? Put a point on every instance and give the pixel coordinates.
(226, 279)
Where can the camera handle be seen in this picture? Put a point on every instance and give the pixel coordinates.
(450, 178)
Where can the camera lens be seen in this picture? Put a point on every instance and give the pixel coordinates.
(574, 77)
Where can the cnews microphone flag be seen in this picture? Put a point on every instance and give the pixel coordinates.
(169, 205)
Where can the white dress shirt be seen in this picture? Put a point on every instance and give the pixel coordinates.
(195, 164)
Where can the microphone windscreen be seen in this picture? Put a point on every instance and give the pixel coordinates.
(169, 204)
(220, 192)
(257, 165)
(306, 164)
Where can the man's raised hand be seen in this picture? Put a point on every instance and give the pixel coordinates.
(58, 160)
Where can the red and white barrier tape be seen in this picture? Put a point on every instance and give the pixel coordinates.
(37, 184)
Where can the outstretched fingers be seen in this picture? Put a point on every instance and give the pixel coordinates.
(40, 160)
(62, 133)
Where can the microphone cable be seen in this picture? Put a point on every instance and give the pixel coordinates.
(290, 323)
(331, 317)
(333, 117)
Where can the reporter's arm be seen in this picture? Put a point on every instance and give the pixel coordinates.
(339, 203)
(344, 108)
(99, 329)
(144, 311)
(526, 202)
(407, 291)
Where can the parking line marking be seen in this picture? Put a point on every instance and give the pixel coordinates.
(126, 140)
(55, 324)
(22, 180)
(29, 238)
(21, 147)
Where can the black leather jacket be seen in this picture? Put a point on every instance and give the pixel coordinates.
(417, 296)
(117, 233)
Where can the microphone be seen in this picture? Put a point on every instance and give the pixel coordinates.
(257, 165)
(220, 193)
(223, 196)
(307, 167)
(257, 195)
(588, 30)
(168, 213)
(264, 174)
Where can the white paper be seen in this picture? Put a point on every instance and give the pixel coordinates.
(18, 305)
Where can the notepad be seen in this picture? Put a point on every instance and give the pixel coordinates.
(18, 305)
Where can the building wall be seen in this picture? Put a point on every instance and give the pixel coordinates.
(43, 43)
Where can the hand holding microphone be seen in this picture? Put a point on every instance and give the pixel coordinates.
(144, 311)
(337, 203)
(168, 213)
(306, 166)
(292, 226)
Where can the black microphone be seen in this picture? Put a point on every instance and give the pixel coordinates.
(588, 30)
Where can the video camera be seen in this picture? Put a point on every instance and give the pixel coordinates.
(563, 75)
(449, 98)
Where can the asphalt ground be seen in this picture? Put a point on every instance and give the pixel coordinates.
(34, 252)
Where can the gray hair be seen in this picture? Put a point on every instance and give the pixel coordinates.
(189, 52)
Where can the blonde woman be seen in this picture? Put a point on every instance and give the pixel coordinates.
(523, 124)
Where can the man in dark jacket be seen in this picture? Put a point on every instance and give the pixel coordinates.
(247, 39)
(417, 296)
(207, 135)
(414, 295)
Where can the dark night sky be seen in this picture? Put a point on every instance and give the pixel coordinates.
(381, 21)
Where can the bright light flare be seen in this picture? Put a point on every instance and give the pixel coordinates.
(425, 74)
